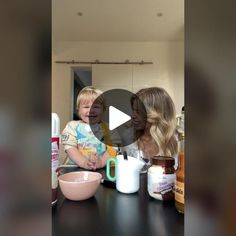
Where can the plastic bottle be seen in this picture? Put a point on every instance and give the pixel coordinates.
(55, 154)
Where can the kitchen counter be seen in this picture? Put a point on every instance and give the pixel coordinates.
(113, 213)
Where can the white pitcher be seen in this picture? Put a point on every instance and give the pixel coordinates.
(126, 173)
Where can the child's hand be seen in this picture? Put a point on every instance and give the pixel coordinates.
(99, 163)
(89, 164)
(92, 161)
(95, 162)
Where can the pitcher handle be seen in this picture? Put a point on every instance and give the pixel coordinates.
(111, 178)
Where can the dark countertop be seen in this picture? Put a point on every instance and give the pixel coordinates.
(113, 213)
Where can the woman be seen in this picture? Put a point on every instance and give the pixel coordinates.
(156, 126)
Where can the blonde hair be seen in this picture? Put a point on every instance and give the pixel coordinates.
(161, 116)
(89, 93)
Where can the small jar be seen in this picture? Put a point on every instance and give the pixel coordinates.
(161, 178)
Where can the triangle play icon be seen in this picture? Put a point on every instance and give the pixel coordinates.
(116, 118)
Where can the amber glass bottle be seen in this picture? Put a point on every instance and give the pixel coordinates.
(179, 183)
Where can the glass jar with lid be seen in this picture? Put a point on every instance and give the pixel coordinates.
(161, 178)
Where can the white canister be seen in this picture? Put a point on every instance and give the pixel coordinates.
(55, 139)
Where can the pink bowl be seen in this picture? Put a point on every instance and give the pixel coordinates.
(79, 185)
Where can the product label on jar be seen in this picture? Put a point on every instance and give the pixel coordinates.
(55, 161)
(161, 185)
(179, 192)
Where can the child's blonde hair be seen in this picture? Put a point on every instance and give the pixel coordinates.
(161, 116)
(89, 93)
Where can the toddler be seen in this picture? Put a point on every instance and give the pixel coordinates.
(81, 145)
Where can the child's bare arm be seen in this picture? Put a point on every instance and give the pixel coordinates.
(101, 162)
(79, 159)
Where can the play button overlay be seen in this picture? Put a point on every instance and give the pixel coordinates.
(117, 117)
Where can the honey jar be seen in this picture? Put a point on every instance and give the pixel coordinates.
(179, 184)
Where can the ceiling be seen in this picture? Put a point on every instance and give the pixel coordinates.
(122, 20)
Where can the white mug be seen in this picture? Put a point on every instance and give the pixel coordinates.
(126, 173)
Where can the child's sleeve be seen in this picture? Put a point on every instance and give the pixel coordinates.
(69, 136)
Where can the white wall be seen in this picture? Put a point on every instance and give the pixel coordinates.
(167, 70)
